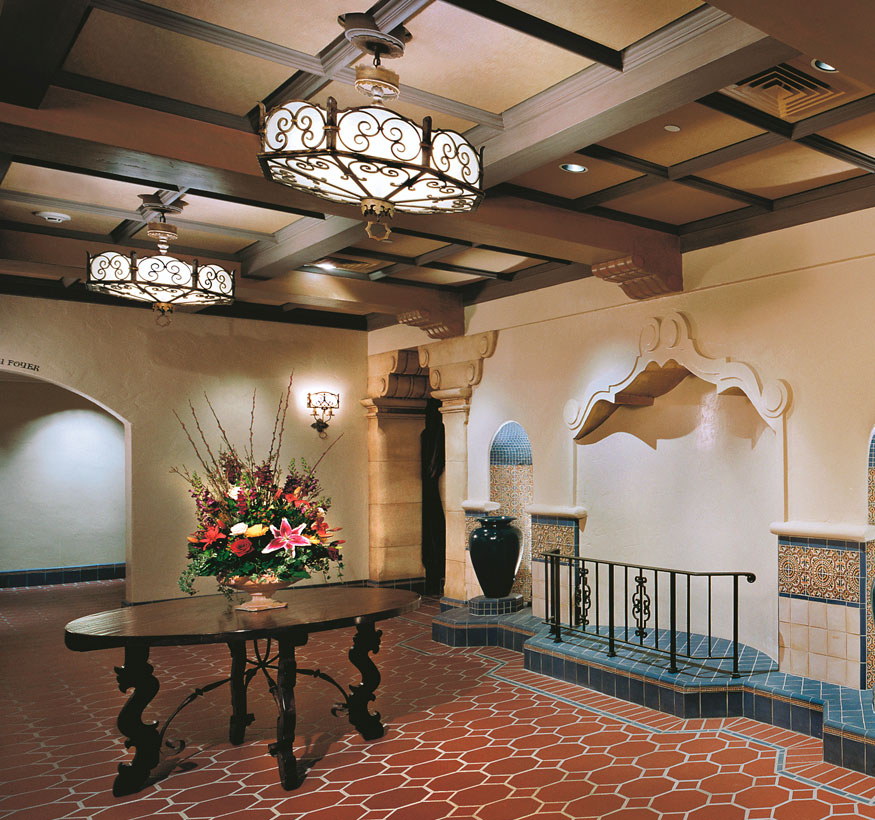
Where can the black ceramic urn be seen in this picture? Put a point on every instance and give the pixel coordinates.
(495, 554)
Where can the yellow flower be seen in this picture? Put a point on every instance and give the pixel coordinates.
(256, 531)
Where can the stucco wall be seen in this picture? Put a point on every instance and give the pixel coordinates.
(119, 358)
(62, 470)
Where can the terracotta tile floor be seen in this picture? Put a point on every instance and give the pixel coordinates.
(471, 734)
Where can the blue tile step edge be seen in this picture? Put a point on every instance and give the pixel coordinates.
(60, 575)
(481, 605)
(843, 717)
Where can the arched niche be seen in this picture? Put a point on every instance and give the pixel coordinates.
(511, 485)
(81, 448)
(667, 354)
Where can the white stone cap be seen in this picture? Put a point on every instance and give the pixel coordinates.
(559, 512)
(820, 529)
(480, 506)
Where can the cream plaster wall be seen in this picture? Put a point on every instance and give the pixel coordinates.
(62, 469)
(119, 358)
(796, 304)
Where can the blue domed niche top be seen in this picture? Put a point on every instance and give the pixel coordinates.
(510, 446)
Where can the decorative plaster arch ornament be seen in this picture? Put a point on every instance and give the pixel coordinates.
(667, 354)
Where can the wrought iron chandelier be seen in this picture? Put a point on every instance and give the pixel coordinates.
(371, 156)
(163, 280)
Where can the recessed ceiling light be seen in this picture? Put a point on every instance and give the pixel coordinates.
(52, 216)
(672, 129)
(326, 265)
(573, 168)
(820, 65)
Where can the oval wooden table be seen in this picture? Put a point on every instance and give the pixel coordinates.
(214, 619)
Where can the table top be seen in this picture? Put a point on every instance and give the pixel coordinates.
(213, 619)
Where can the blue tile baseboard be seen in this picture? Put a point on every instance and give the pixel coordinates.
(413, 584)
(60, 575)
(842, 717)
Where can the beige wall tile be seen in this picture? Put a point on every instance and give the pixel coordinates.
(817, 640)
(798, 611)
(837, 644)
(852, 674)
(817, 666)
(798, 663)
(799, 637)
(852, 620)
(784, 610)
(836, 670)
(817, 613)
(853, 648)
(835, 617)
(783, 635)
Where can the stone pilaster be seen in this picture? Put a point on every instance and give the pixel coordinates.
(455, 367)
(395, 408)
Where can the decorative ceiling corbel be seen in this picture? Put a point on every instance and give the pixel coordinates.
(638, 279)
(445, 322)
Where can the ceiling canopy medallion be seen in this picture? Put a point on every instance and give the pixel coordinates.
(371, 156)
(163, 280)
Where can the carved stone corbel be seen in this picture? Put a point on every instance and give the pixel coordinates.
(638, 279)
(455, 366)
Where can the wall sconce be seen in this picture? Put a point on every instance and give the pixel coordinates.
(323, 404)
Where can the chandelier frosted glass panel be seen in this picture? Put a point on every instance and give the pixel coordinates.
(370, 156)
(164, 280)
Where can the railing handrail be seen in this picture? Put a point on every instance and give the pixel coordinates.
(749, 576)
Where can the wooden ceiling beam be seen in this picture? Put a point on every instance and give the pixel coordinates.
(761, 202)
(145, 99)
(790, 132)
(477, 292)
(820, 203)
(632, 186)
(835, 116)
(642, 166)
(35, 38)
(407, 262)
(737, 150)
(543, 30)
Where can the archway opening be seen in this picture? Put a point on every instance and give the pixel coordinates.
(63, 466)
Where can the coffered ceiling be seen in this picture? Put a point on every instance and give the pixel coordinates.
(695, 127)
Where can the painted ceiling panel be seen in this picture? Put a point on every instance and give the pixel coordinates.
(486, 260)
(218, 212)
(89, 223)
(552, 179)
(674, 203)
(702, 131)
(858, 134)
(465, 57)
(781, 171)
(172, 65)
(613, 23)
(437, 277)
(74, 187)
(294, 25)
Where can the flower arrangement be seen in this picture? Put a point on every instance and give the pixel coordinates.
(253, 518)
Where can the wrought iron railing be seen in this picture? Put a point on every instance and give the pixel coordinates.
(593, 591)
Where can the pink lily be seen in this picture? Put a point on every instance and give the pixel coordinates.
(286, 538)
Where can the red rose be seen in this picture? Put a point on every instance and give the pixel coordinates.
(241, 546)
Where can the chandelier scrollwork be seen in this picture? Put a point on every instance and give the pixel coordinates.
(163, 280)
(370, 153)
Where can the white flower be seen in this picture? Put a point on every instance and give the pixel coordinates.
(239, 529)
(233, 492)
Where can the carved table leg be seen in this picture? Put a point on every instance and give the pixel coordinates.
(136, 672)
(284, 694)
(367, 639)
(239, 717)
